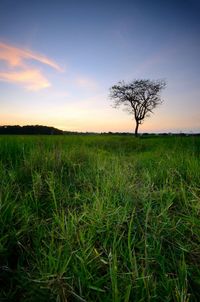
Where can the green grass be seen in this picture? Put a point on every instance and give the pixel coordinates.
(99, 218)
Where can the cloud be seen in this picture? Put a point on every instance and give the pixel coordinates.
(18, 70)
(32, 79)
(86, 82)
(15, 57)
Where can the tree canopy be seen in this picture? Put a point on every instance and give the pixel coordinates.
(140, 97)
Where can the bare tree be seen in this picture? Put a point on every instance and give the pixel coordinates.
(140, 97)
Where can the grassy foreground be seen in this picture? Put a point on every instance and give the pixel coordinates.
(99, 218)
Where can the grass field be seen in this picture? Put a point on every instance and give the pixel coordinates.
(99, 218)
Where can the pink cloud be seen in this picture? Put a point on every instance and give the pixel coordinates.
(86, 82)
(32, 79)
(15, 57)
(20, 71)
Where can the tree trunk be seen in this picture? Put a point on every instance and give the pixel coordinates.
(136, 128)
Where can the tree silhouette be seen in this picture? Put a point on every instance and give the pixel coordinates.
(140, 97)
(37, 129)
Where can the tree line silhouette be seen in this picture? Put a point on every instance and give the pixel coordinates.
(45, 130)
(38, 129)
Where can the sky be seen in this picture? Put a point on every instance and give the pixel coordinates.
(58, 59)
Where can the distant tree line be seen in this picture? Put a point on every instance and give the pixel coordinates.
(146, 134)
(38, 129)
(45, 130)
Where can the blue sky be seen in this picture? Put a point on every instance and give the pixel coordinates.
(58, 60)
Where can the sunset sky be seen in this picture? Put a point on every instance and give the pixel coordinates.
(58, 59)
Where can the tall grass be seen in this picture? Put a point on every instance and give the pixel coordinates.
(99, 218)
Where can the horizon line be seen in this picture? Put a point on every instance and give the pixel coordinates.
(106, 132)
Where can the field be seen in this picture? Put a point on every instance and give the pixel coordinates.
(99, 218)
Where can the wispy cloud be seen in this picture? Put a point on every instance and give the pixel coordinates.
(17, 56)
(32, 79)
(18, 69)
(86, 82)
